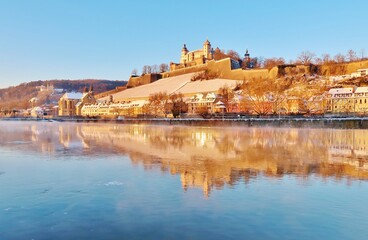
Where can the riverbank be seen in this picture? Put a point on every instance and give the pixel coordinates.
(343, 123)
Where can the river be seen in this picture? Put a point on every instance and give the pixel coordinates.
(116, 181)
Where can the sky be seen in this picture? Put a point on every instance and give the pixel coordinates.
(107, 39)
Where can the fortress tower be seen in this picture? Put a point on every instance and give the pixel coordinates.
(207, 50)
(200, 56)
(184, 52)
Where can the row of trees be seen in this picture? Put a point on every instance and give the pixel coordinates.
(147, 69)
(307, 57)
(162, 103)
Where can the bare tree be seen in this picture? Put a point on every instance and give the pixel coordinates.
(233, 54)
(265, 96)
(219, 54)
(256, 93)
(306, 57)
(178, 105)
(362, 53)
(164, 67)
(158, 103)
(318, 61)
(326, 58)
(226, 94)
(149, 69)
(144, 69)
(134, 72)
(273, 62)
(154, 68)
(339, 58)
(351, 55)
(258, 62)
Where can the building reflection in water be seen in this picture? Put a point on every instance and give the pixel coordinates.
(208, 158)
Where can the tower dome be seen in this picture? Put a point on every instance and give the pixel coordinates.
(184, 49)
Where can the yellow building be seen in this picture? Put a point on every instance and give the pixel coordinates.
(295, 105)
(71, 104)
(340, 100)
(203, 103)
(68, 102)
(348, 100)
(125, 108)
(361, 100)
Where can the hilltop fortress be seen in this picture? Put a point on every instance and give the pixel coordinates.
(227, 68)
(203, 60)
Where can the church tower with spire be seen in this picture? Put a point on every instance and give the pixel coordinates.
(184, 52)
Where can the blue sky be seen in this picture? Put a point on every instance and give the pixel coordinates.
(107, 39)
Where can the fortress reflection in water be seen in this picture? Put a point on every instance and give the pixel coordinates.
(208, 158)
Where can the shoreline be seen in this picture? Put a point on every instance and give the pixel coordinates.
(296, 122)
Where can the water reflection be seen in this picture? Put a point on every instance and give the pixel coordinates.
(205, 158)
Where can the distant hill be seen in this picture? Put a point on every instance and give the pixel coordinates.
(18, 97)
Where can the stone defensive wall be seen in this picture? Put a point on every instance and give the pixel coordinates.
(182, 71)
(343, 68)
(108, 93)
(223, 69)
(135, 81)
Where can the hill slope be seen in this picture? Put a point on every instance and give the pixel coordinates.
(18, 97)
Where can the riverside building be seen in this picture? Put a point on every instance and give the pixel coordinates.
(348, 100)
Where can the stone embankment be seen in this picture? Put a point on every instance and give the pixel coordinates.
(341, 123)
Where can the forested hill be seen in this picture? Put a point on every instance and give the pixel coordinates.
(18, 96)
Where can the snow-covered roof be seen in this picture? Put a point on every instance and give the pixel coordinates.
(138, 103)
(37, 109)
(211, 95)
(341, 90)
(73, 95)
(128, 104)
(316, 98)
(361, 90)
(197, 96)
